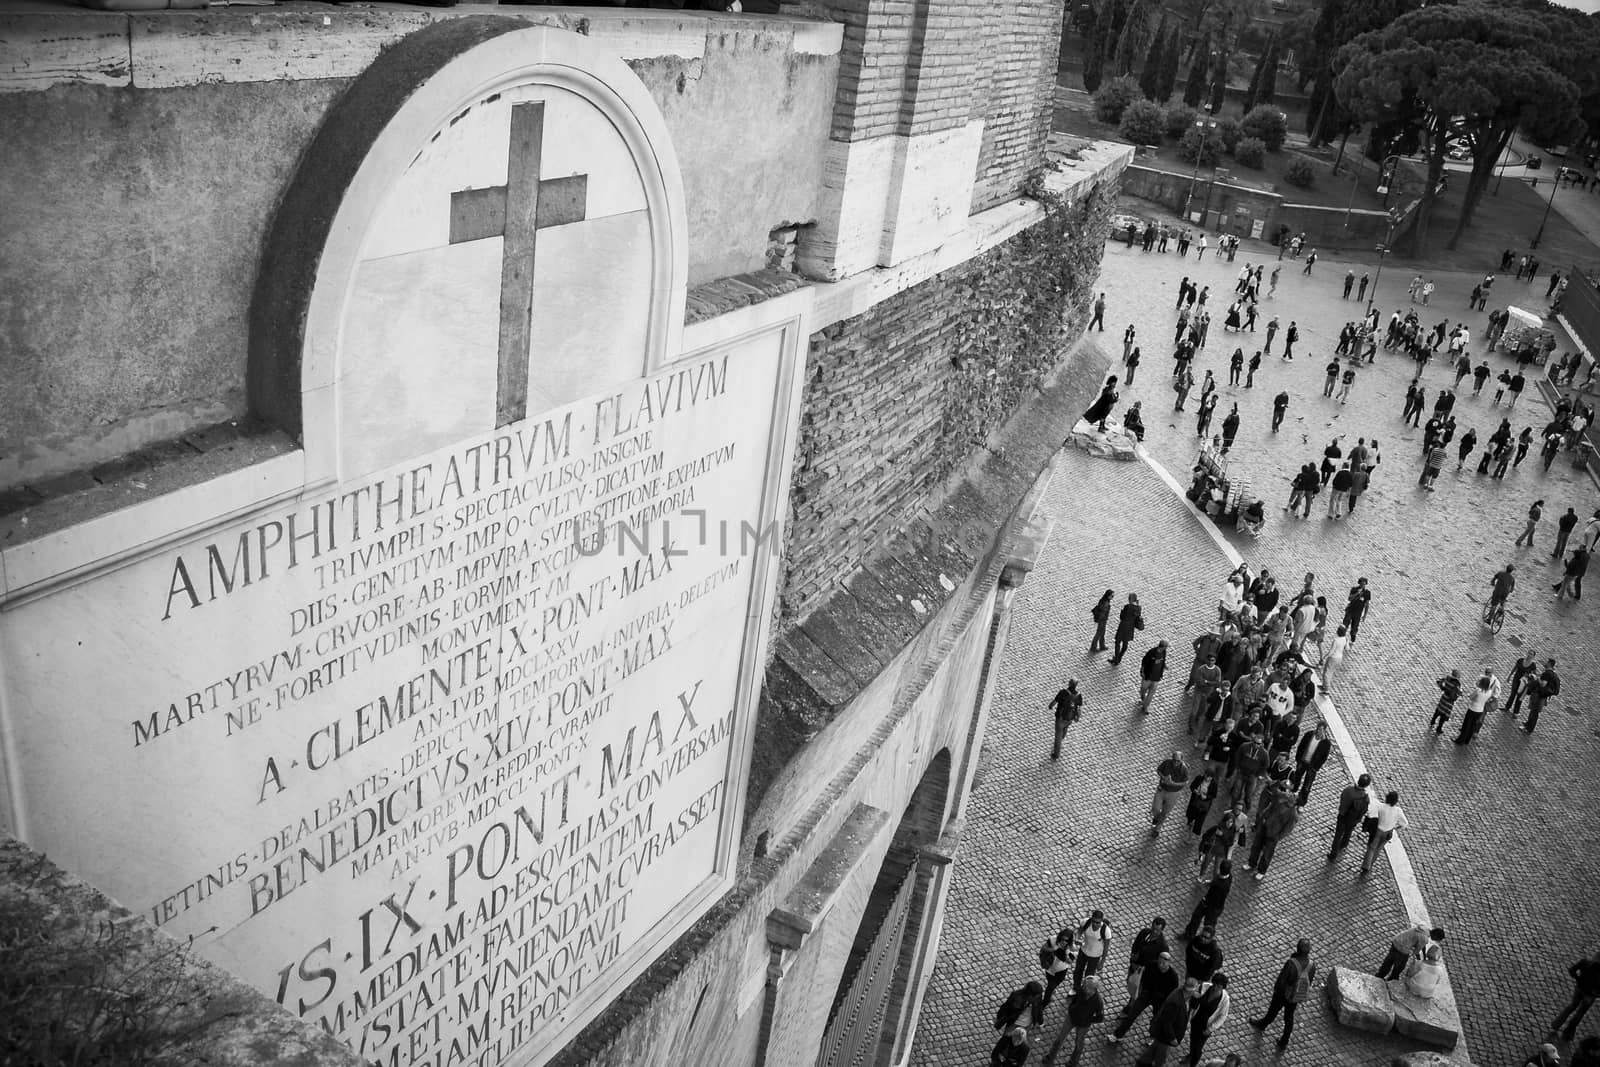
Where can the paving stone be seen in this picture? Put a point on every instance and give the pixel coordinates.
(1360, 1000)
(1501, 838)
(1425, 1059)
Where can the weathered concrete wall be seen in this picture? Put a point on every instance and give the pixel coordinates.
(135, 215)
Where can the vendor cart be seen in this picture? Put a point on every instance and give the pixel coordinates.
(1526, 337)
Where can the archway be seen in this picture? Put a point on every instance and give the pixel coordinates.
(868, 1018)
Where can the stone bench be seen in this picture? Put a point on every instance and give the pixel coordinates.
(1114, 443)
(1366, 1002)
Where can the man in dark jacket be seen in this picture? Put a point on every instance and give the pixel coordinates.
(1548, 685)
(1156, 984)
(1586, 975)
(1277, 819)
(1148, 945)
(1250, 761)
(1151, 670)
(1353, 804)
(1130, 621)
(1309, 757)
(1292, 987)
(1203, 956)
(1168, 1024)
(1524, 674)
(1029, 1000)
(1086, 1009)
(1211, 1011)
(1209, 910)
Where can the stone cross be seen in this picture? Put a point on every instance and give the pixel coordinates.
(516, 211)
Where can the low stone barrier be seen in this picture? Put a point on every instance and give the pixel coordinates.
(1363, 1001)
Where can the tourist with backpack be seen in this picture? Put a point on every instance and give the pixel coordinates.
(1148, 945)
(1056, 957)
(1068, 707)
(1292, 988)
(1094, 941)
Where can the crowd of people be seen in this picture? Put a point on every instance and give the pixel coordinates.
(1249, 701)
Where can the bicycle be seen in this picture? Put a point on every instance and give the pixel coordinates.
(1494, 615)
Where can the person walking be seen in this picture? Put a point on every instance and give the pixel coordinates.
(1311, 261)
(1099, 314)
(1208, 404)
(1012, 1049)
(1449, 693)
(1356, 606)
(1523, 675)
(1585, 989)
(1101, 614)
(1485, 697)
(1333, 658)
(1056, 957)
(1255, 365)
(1272, 331)
(1464, 447)
(1539, 693)
(1172, 777)
(1339, 490)
(1068, 708)
(1535, 513)
(1347, 382)
(1291, 989)
(1361, 291)
(1127, 342)
(1129, 622)
(1133, 363)
(1212, 901)
(1151, 670)
(1236, 366)
(1169, 1023)
(1349, 284)
(1409, 944)
(1572, 578)
(1094, 942)
(1026, 1001)
(1388, 819)
(1211, 1011)
(1230, 429)
(1354, 801)
(1277, 819)
(1086, 1009)
(1564, 527)
(1290, 336)
(1148, 946)
(1156, 984)
(1309, 757)
(1280, 407)
(1332, 378)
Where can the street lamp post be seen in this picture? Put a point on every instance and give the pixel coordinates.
(1386, 173)
(1205, 126)
(1555, 184)
(1383, 252)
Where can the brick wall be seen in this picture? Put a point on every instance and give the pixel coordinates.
(897, 399)
(1021, 40)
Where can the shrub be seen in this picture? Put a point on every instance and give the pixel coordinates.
(1201, 143)
(1179, 118)
(1142, 122)
(1300, 174)
(1228, 130)
(1114, 96)
(1267, 123)
(1249, 152)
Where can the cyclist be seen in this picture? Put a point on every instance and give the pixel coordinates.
(1501, 586)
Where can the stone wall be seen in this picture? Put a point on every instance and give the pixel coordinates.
(131, 248)
(897, 398)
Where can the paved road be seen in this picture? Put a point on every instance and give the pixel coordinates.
(1504, 839)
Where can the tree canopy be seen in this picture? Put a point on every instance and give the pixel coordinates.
(1475, 71)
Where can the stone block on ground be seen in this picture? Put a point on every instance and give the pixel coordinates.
(1112, 444)
(1361, 1001)
(1434, 1020)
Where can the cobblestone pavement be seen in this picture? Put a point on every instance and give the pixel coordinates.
(1048, 842)
(1503, 838)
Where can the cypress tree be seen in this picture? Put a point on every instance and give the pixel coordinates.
(1251, 93)
(1169, 66)
(1269, 73)
(1194, 90)
(1128, 40)
(1093, 49)
(1154, 59)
